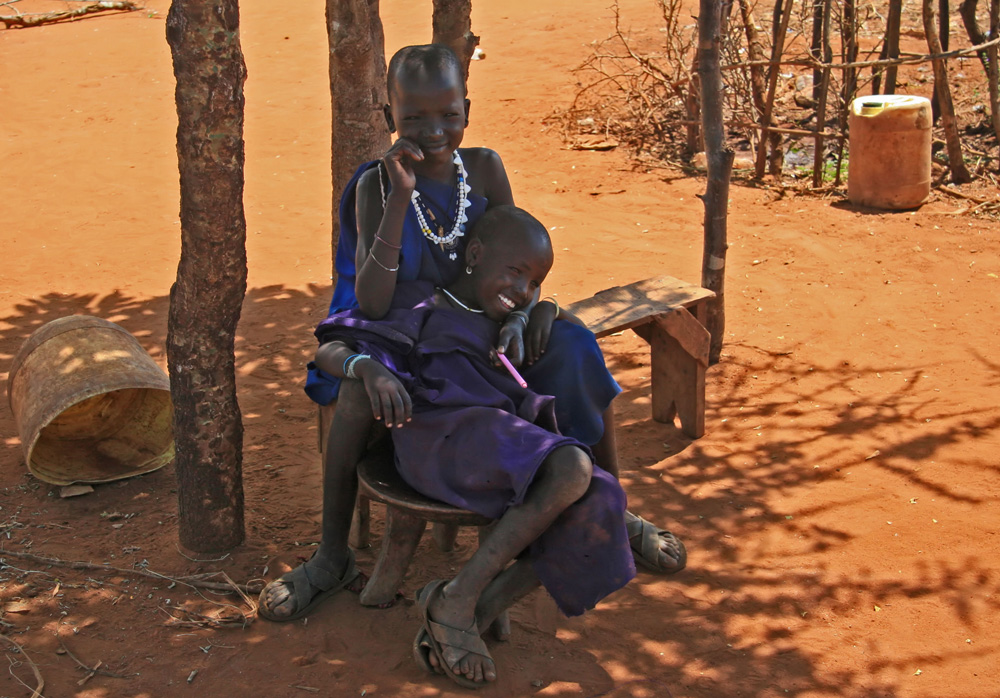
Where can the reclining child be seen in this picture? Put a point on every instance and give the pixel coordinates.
(467, 433)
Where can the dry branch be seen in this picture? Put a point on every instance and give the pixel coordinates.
(34, 667)
(194, 581)
(34, 20)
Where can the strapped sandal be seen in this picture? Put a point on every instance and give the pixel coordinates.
(308, 581)
(434, 637)
(645, 538)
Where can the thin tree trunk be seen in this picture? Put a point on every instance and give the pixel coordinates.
(959, 173)
(890, 48)
(720, 165)
(452, 26)
(824, 91)
(205, 300)
(755, 49)
(816, 45)
(944, 36)
(357, 92)
(849, 55)
(692, 105)
(782, 13)
(988, 57)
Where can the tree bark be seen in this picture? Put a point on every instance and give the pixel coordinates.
(824, 90)
(720, 165)
(205, 300)
(890, 49)
(959, 173)
(452, 25)
(782, 14)
(987, 57)
(357, 93)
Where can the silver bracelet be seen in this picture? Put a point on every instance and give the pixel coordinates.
(371, 253)
(520, 315)
(349, 372)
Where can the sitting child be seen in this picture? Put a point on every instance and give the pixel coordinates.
(403, 218)
(471, 436)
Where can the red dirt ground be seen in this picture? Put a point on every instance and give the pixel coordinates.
(841, 512)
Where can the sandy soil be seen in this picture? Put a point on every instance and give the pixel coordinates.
(841, 512)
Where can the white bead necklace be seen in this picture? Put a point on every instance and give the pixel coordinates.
(460, 304)
(458, 229)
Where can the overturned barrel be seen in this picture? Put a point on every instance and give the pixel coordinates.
(890, 151)
(90, 404)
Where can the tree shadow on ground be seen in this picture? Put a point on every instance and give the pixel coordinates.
(737, 621)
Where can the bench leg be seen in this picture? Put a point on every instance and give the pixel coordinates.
(445, 536)
(359, 537)
(402, 534)
(678, 383)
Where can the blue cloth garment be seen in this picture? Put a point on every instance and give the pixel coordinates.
(572, 368)
(477, 439)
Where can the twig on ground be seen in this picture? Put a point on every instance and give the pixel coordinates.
(196, 581)
(194, 559)
(34, 667)
(91, 669)
(34, 20)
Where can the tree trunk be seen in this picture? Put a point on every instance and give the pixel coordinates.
(944, 36)
(782, 13)
(959, 173)
(849, 54)
(720, 165)
(452, 26)
(205, 300)
(824, 90)
(357, 93)
(755, 50)
(890, 48)
(987, 57)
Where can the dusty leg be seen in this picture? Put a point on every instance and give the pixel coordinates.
(561, 480)
(668, 555)
(346, 444)
(606, 450)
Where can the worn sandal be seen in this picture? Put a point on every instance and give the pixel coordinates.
(308, 581)
(645, 539)
(434, 637)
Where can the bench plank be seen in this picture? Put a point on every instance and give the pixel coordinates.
(623, 307)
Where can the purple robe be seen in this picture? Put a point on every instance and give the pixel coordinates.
(477, 439)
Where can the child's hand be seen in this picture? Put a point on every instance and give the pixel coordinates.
(511, 342)
(390, 401)
(398, 161)
(539, 329)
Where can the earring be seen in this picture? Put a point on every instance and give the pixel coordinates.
(468, 269)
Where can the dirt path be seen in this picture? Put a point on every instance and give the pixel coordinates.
(840, 513)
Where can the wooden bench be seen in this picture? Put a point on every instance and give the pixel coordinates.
(669, 314)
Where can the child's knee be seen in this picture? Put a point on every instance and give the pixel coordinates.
(572, 468)
(353, 403)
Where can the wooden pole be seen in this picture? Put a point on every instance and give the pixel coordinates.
(357, 92)
(987, 56)
(205, 300)
(824, 91)
(782, 13)
(720, 165)
(959, 172)
(451, 22)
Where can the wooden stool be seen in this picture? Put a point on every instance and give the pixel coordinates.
(407, 514)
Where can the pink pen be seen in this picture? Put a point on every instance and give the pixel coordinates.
(513, 371)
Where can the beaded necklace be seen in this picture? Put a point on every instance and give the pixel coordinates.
(447, 241)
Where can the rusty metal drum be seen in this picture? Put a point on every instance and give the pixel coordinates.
(91, 405)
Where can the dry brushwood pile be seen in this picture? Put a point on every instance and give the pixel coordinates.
(791, 71)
